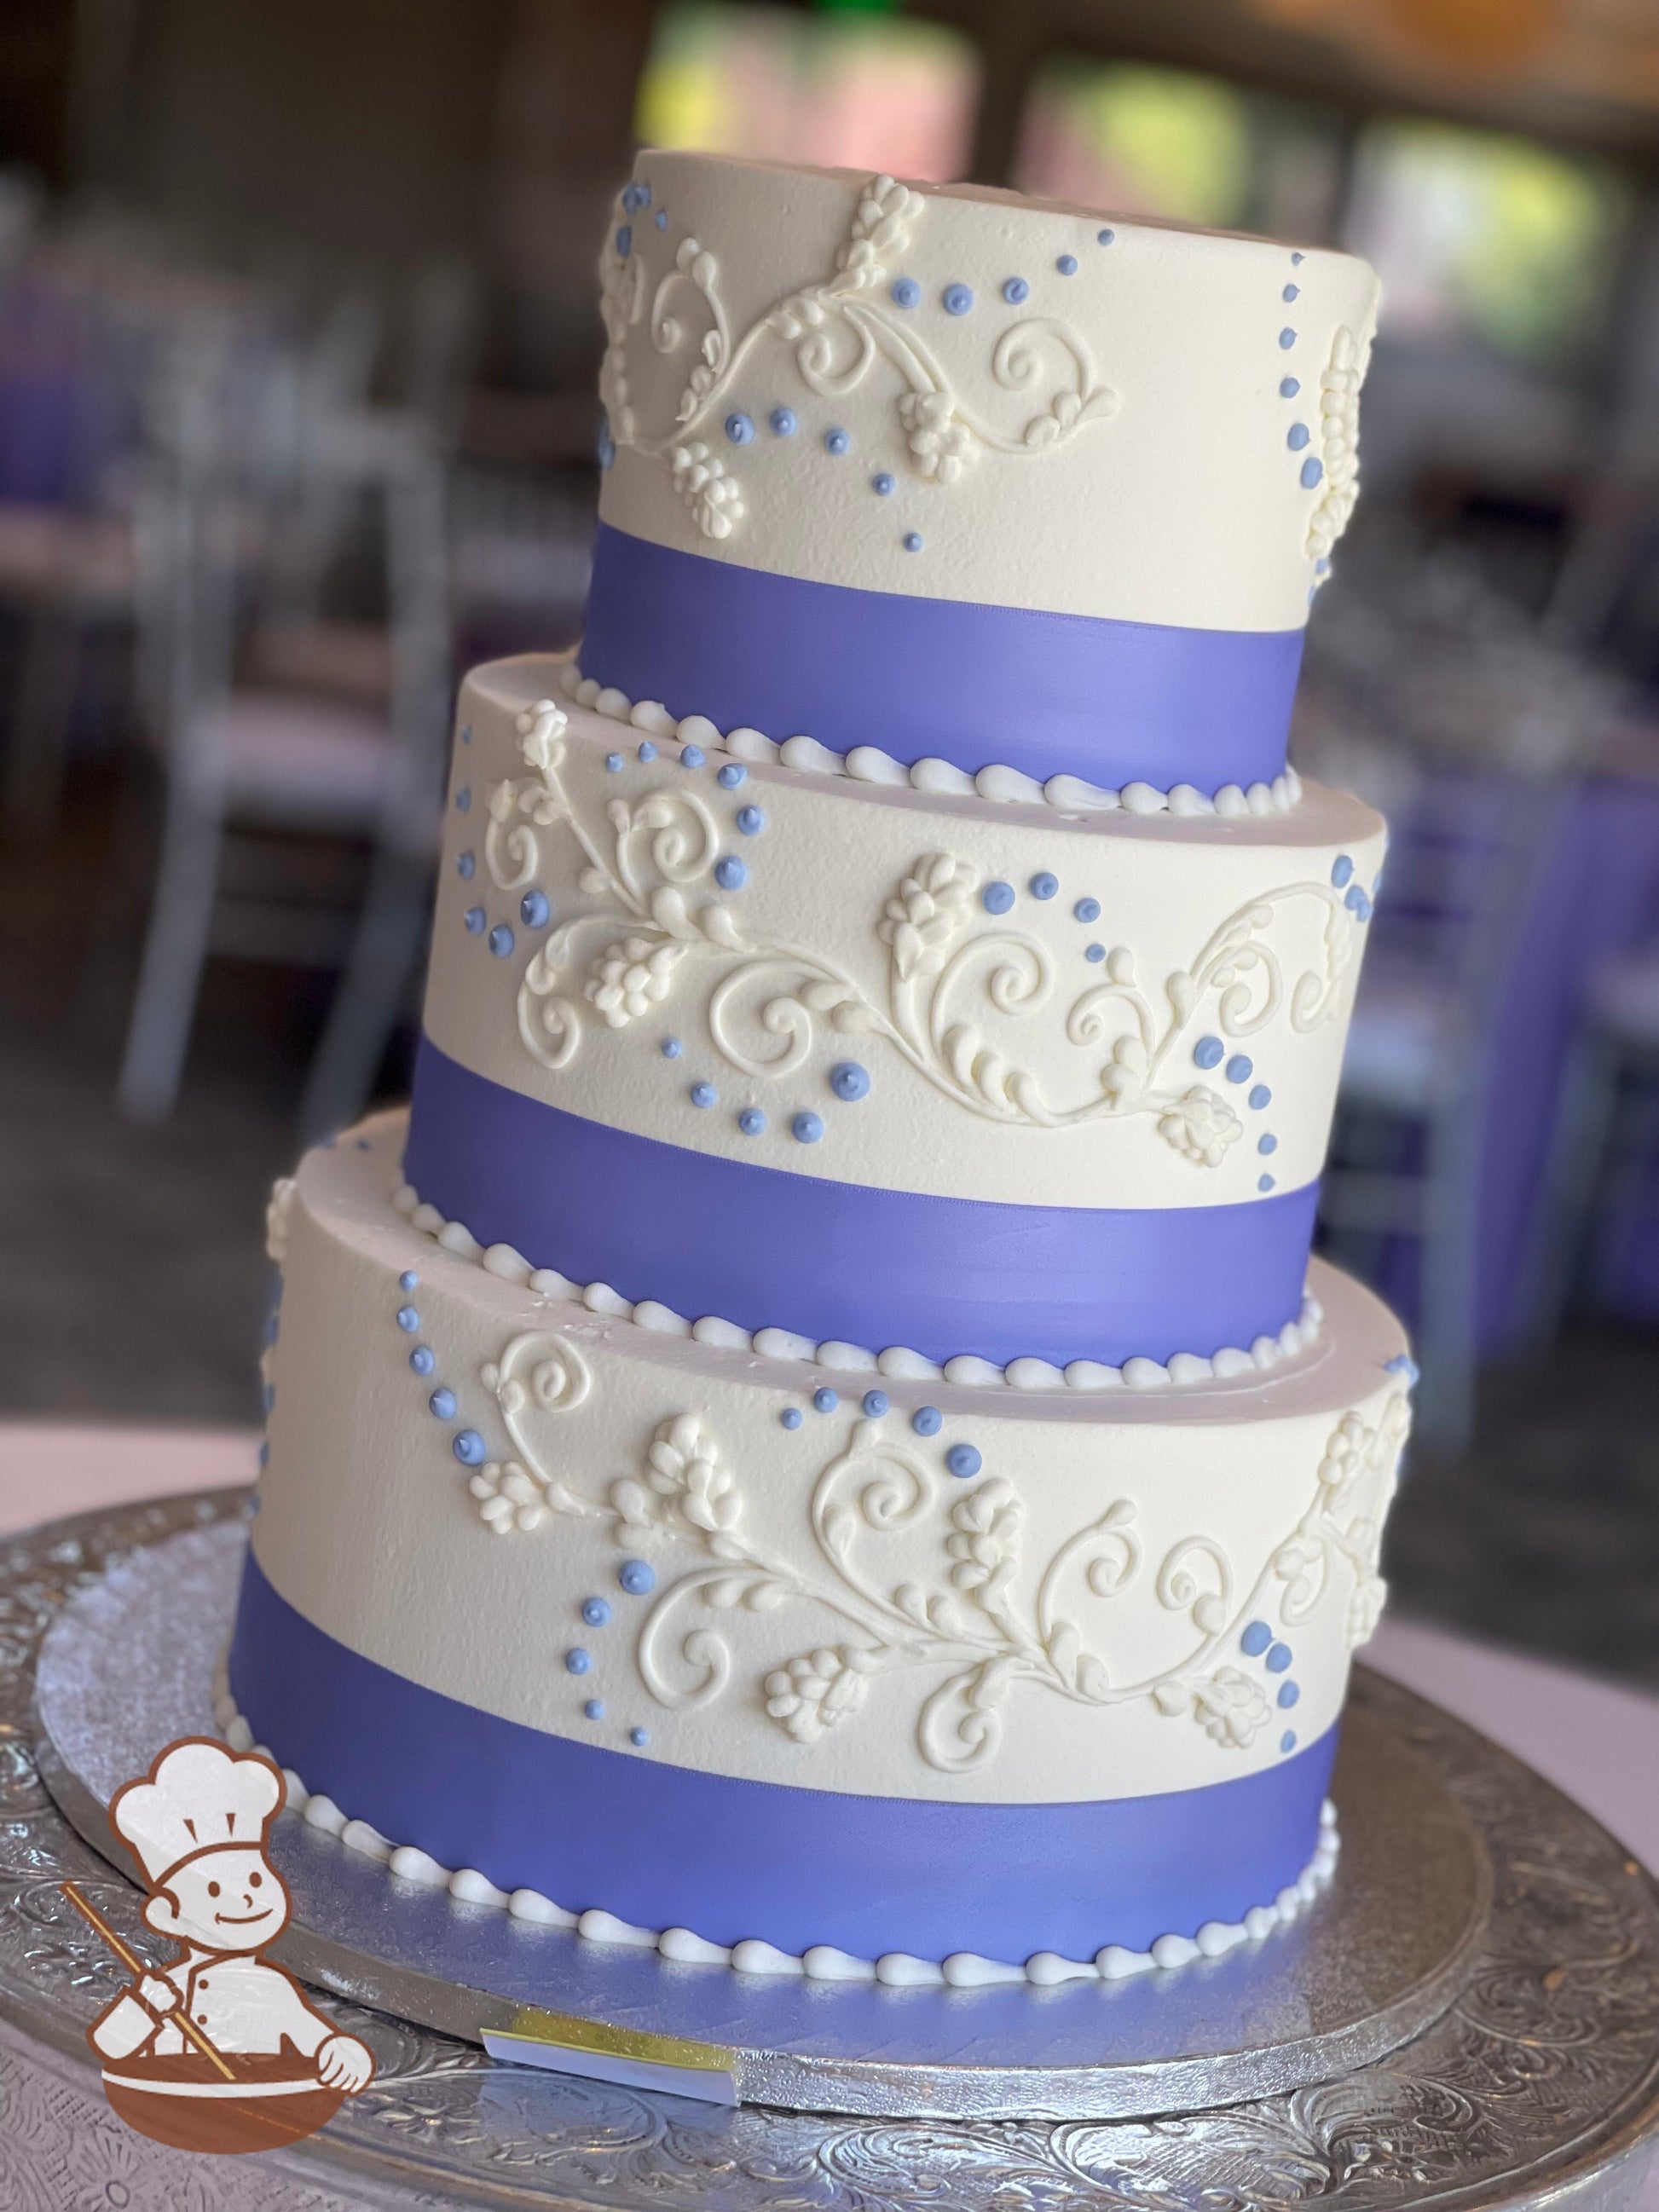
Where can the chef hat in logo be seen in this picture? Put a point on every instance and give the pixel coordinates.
(199, 1797)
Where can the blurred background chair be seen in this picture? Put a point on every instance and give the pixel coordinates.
(269, 724)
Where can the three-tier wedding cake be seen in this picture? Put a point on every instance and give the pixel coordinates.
(815, 1444)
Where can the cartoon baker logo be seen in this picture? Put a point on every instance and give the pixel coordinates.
(218, 2050)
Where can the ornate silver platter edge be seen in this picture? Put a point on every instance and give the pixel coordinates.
(1538, 2085)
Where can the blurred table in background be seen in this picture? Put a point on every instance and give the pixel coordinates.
(1596, 1739)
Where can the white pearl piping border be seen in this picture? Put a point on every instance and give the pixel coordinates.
(896, 1363)
(1069, 794)
(821, 1962)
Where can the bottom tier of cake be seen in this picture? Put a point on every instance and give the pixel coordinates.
(794, 1663)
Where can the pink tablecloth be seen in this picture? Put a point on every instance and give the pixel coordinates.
(1597, 1739)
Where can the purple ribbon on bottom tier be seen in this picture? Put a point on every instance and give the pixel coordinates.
(668, 1846)
(1052, 694)
(767, 1249)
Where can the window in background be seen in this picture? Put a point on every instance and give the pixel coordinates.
(1487, 238)
(849, 88)
(1143, 141)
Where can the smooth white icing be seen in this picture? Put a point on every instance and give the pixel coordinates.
(824, 1962)
(603, 1440)
(1113, 443)
(1004, 1064)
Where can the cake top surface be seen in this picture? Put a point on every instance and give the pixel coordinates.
(956, 392)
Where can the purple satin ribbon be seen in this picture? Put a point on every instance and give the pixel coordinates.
(765, 1248)
(1052, 694)
(668, 1846)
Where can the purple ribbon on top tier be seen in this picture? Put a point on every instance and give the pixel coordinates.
(769, 1248)
(669, 1846)
(1050, 694)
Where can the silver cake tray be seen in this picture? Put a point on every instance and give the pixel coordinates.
(1537, 2082)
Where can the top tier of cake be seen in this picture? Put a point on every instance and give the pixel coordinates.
(967, 476)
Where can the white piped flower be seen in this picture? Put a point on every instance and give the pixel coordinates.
(628, 978)
(1200, 1125)
(940, 440)
(818, 1689)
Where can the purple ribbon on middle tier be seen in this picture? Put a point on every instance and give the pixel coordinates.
(1111, 701)
(769, 1248)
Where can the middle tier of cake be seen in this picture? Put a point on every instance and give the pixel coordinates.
(853, 1062)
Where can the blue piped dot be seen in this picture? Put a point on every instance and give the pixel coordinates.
(1291, 292)
(466, 734)
(826, 1400)
(1286, 339)
(1044, 885)
(1289, 1695)
(605, 447)
(660, 218)
(1403, 1363)
(264, 1461)
(1342, 870)
(424, 1360)
(474, 920)
(881, 484)
(1255, 1639)
(1278, 1659)
(409, 1280)
(806, 1128)
(1312, 470)
(752, 1121)
(1066, 265)
(625, 241)
(964, 1460)
(927, 1420)
(463, 800)
(849, 1081)
(730, 873)
(1105, 237)
(1266, 1182)
(905, 292)
(1287, 1742)
(958, 300)
(646, 751)
(1240, 1068)
(1268, 1143)
(1288, 386)
(913, 541)
(703, 1094)
(408, 1320)
(468, 1448)
(443, 1402)
(596, 1611)
(792, 1417)
(578, 1662)
(997, 898)
(739, 429)
(500, 940)
(1297, 259)
(671, 1048)
(730, 775)
(875, 1403)
(781, 422)
(1015, 291)
(1321, 566)
(534, 910)
(1087, 909)
(464, 865)
(639, 1738)
(1209, 1051)
(1356, 902)
(1094, 953)
(613, 763)
(1261, 1096)
(594, 1709)
(637, 1577)
(1298, 436)
(751, 820)
(692, 757)
(836, 442)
